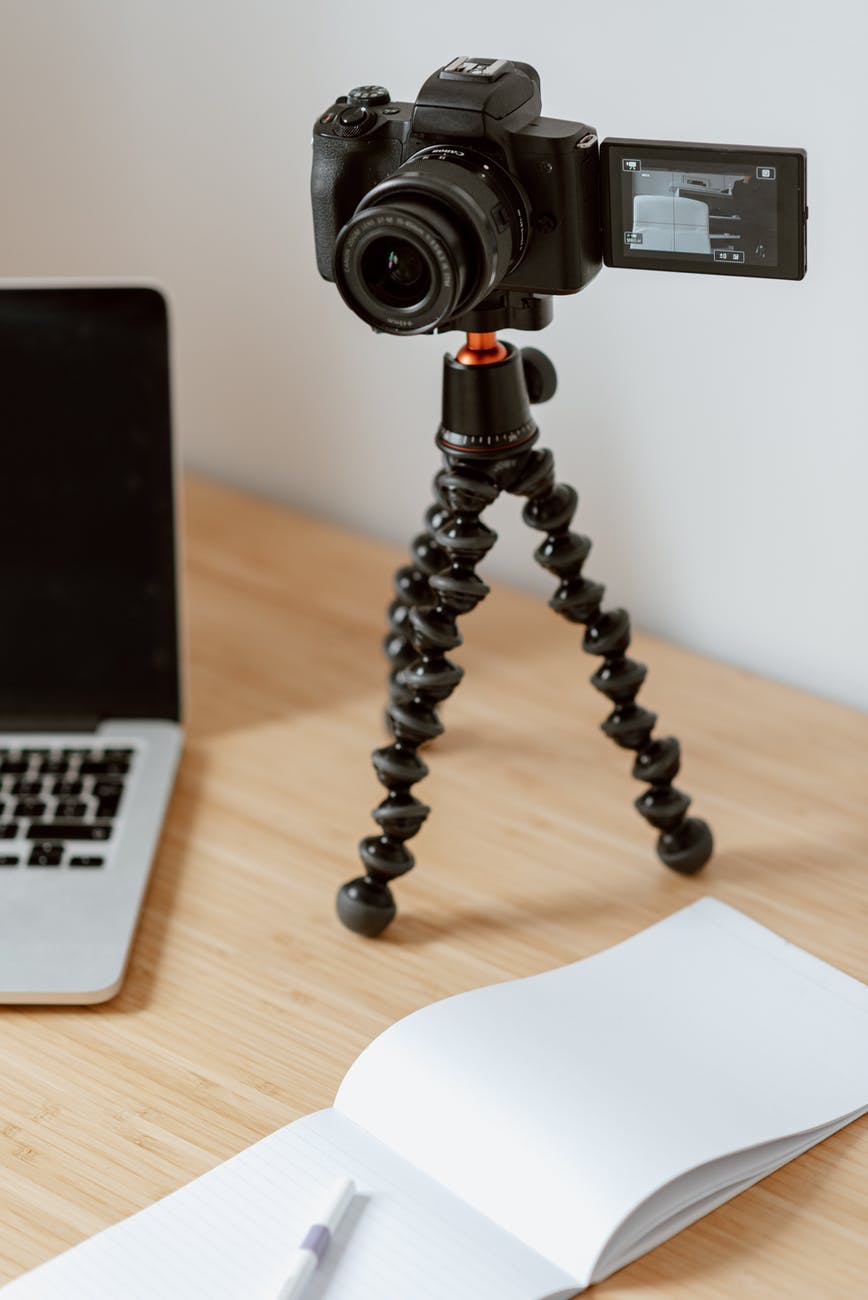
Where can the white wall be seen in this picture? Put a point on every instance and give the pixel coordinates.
(716, 431)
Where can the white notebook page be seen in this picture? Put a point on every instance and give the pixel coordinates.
(231, 1234)
(559, 1103)
(647, 1228)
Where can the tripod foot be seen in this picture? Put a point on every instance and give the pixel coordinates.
(688, 847)
(365, 907)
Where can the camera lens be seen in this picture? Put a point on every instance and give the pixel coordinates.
(402, 266)
(395, 272)
(430, 241)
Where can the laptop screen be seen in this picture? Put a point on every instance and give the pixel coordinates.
(87, 560)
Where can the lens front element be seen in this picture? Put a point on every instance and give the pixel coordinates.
(395, 272)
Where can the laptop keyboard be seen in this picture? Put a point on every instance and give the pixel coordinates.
(58, 807)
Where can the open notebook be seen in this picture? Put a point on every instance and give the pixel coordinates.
(523, 1140)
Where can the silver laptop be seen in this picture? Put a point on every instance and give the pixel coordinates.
(90, 730)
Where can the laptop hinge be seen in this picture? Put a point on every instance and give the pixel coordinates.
(19, 723)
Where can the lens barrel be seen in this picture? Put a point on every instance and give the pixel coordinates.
(430, 241)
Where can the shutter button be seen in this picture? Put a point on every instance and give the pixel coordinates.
(353, 121)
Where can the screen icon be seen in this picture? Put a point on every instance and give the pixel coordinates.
(632, 237)
(728, 255)
(631, 164)
(765, 173)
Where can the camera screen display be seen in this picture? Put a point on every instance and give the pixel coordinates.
(724, 210)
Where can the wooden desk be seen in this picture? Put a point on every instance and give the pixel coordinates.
(245, 1001)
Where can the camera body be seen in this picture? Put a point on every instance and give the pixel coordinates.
(529, 185)
(469, 210)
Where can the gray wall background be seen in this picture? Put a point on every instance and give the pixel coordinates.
(716, 431)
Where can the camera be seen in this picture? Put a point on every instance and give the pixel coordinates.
(424, 210)
(468, 205)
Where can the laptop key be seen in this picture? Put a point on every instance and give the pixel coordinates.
(29, 808)
(8, 830)
(46, 854)
(86, 862)
(105, 767)
(9, 860)
(107, 788)
(70, 808)
(68, 831)
(106, 808)
(54, 767)
(67, 788)
(13, 766)
(27, 787)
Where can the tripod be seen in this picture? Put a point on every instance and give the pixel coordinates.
(487, 438)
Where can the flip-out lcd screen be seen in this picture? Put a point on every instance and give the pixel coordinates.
(719, 209)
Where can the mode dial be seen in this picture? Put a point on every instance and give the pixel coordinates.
(369, 95)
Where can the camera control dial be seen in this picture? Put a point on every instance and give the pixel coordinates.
(369, 95)
(354, 120)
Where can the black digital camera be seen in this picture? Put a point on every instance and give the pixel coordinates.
(438, 214)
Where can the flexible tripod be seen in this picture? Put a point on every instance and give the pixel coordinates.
(487, 438)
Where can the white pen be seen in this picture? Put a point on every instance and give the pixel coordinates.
(310, 1253)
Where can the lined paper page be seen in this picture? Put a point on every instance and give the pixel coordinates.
(230, 1234)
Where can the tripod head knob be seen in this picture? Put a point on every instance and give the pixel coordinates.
(540, 375)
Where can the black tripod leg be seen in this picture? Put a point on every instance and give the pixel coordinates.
(685, 843)
(412, 590)
(366, 904)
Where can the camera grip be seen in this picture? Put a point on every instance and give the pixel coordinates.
(343, 172)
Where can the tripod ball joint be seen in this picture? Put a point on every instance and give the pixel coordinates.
(688, 847)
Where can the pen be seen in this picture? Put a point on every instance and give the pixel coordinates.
(318, 1238)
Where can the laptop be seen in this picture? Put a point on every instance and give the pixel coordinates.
(90, 715)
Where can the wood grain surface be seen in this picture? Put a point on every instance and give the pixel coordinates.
(245, 1001)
